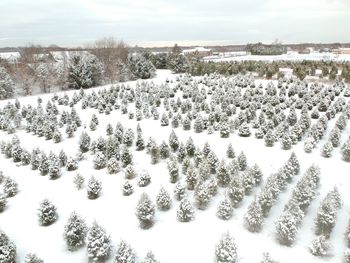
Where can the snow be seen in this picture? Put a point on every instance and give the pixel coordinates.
(196, 49)
(290, 56)
(10, 56)
(170, 240)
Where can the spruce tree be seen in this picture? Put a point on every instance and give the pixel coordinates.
(7, 249)
(98, 243)
(124, 253)
(75, 231)
(150, 258)
(93, 188)
(163, 200)
(127, 188)
(185, 211)
(47, 213)
(145, 211)
(32, 258)
(253, 219)
(225, 209)
(226, 250)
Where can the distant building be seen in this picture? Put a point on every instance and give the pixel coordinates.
(197, 50)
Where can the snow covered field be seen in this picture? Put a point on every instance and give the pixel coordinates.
(170, 240)
(290, 56)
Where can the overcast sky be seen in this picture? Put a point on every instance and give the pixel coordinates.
(160, 22)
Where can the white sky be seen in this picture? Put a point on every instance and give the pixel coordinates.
(164, 22)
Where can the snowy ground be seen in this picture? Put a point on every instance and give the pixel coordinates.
(170, 240)
(290, 56)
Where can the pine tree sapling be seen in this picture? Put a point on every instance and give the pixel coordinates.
(78, 181)
(145, 211)
(98, 243)
(32, 258)
(226, 250)
(163, 200)
(150, 258)
(225, 209)
(93, 188)
(127, 188)
(75, 231)
(124, 253)
(3, 202)
(47, 213)
(185, 211)
(7, 249)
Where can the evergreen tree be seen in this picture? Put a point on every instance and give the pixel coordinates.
(130, 172)
(286, 229)
(7, 249)
(124, 253)
(140, 67)
(10, 187)
(113, 165)
(223, 175)
(244, 130)
(225, 209)
(145, 211)
(345, 151)
(173, 169)
(327, 149)
(242, 161)
(100, 160)
(47, 213)
(144, 179)
(185, 211)
(94, 188)
(164, 121)
(164, 150)
(75, 231)
(54, 169)
(32, 258)
(84, 71)
(202, 195)
(71, 164)
(179, 191)
(269, 138)
(254, 218)
(127, 188)
(163, 200)
(7, 86)
(78, 181)
(126, 157)
(3, 202)
(44, 164)
(267, 258)
(62, 158)
(173, 141)
(226, 250)
(191, 178)
(230, 153)
(109, 129)
(84, 142)
(150, 258)
(140, 143)
(98, 243)
(236, 191)
(213, 162)
(320, 246)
